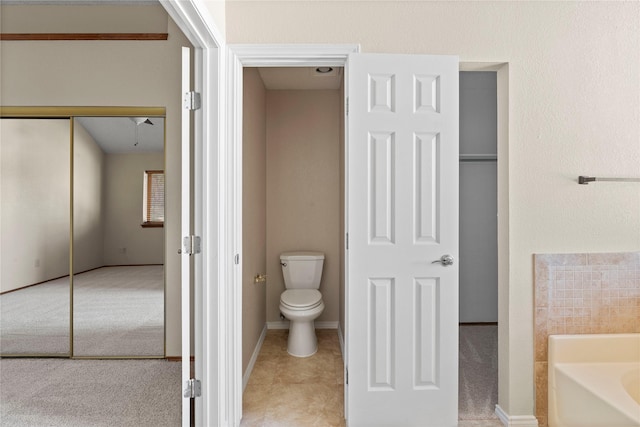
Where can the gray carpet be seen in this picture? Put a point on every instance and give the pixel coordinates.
(478, 377)
(36, 319)
(118, 311)
(89, 393)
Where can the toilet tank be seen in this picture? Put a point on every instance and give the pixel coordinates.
(302, 270)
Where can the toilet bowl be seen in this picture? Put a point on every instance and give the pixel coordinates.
(301, 302)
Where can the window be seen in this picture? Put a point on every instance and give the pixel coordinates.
(153, 199)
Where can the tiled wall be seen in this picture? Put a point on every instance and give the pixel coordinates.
(582, 294)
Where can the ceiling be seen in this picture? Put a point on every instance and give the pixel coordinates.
(118, 134)
(300, 78)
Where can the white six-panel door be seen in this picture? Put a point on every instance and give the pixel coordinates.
(402, 325)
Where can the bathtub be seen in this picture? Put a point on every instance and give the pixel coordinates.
(594, 380)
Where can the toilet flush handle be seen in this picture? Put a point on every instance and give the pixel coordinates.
(284, 264)
(444, 260)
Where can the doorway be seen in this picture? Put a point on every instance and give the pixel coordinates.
(251, 56)
(292, 191)
(478, 341)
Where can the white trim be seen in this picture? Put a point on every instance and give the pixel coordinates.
(239, 56)
(341, 338)
(284, 324)
(295, 55)
(326, 325)
(516, 420)
(194, 21)
(185, 230)
(254, 357)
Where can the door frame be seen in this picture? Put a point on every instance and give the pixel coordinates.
(214, 197)
(303, 55)
(238, 57)
(208, 313)
(504, 276)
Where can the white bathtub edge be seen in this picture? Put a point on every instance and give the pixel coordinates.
(516, 420)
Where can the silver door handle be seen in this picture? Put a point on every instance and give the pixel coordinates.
(444, 260)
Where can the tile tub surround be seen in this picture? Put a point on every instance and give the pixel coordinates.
(594, 293)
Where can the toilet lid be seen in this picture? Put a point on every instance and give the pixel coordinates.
(299, 298)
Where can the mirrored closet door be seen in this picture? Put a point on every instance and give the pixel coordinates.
(83, 194)
(34, 220)
(118, 236)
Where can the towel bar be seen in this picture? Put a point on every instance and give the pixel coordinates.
(587, 179)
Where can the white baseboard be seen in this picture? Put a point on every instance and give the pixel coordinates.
(341, 338)
(326, 325)
(254, 357)
(516, 420)
(284, 324)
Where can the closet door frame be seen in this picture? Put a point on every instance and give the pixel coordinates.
(70, 113)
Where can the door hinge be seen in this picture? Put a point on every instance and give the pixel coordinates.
(347, 241)
(347, 107)
(346, 379)
(236, 259)
(192, 389)
(191, 245)
(192, 101)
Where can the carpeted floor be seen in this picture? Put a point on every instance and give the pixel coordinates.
(118, 311)
(89, 393)
(478, 374)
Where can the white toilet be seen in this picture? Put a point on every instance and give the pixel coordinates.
(301, 302)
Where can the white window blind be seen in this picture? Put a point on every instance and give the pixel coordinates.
(153, 209)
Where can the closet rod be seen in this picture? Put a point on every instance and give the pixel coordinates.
(478, 157)
(587, 179)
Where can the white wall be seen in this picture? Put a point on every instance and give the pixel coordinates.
(34, 202)
(573, 107)
(126, 242)
(108, 73)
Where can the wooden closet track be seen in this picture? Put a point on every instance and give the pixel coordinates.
(82, 36)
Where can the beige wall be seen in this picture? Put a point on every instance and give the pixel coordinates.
(125, 241)
(573, 84)
(303, 193)
(254, 205)
(34, 206)
(108, 18)
(107, 202)
(88, 197)
(109, 73)
(291, 195)
(217, 10)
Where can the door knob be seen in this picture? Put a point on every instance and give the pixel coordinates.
(444, 260)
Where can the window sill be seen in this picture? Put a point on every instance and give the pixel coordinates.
(152, 225)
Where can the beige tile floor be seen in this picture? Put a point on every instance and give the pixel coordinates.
(287, 391)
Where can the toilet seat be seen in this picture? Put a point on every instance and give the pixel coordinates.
(301, 299)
